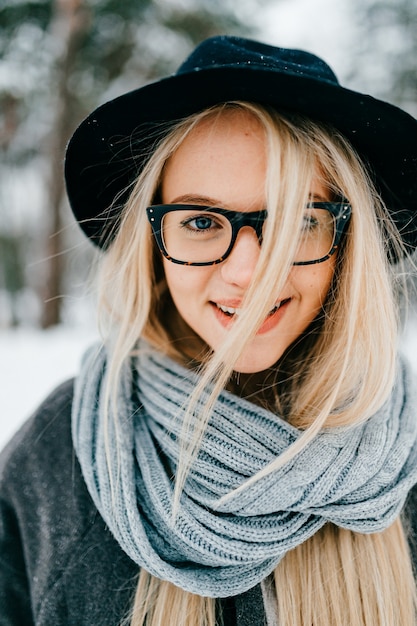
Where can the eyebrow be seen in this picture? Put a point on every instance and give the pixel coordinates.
(205, 201)
(314, 197)
(194, 199)
(212, 202)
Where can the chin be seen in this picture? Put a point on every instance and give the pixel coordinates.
(251, 365)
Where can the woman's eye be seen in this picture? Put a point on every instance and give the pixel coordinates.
(200, 223)
(309, 223)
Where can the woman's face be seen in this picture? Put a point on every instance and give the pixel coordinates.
(223, 164)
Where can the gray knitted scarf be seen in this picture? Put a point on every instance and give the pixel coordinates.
(356, 477)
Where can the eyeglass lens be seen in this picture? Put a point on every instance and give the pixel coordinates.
(194, 236)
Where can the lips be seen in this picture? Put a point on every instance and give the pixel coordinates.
(231, 311)
(226, 313)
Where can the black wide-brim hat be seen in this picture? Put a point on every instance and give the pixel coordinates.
(108, 150)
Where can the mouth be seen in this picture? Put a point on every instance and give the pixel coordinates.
(232, 311)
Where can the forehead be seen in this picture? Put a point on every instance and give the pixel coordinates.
(223, 160)
(223, 157)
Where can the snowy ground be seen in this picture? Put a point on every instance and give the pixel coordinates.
(32, 363)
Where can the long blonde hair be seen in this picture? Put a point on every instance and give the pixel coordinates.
(339, 374)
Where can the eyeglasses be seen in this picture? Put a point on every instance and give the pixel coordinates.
(201, 235)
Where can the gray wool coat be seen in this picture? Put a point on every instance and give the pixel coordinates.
(59, 564)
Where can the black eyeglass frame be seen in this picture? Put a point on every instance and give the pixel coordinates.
(341, 212)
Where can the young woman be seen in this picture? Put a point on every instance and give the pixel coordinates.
(241, 447)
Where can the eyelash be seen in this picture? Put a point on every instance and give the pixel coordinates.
(187, 223)
(309, 223)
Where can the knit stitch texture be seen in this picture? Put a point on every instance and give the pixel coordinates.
(356, 477)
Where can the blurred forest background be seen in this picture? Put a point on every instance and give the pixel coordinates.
(61, 58)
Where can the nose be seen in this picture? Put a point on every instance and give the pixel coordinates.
(239, 266)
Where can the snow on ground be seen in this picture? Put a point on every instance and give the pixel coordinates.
(33, 362)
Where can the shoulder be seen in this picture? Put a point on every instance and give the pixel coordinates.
(40, 482)
(30, 500)
(44, 504)
(54, 547)
(43, 439)
(40, 479)
(50, 415)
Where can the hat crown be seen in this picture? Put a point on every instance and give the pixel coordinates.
(233, 52)
(110, 148)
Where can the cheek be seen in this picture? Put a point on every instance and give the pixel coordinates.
(175, 280)
(186, 284)
(328, 270)
(313, 282)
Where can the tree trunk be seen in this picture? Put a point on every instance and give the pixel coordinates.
(71, 24)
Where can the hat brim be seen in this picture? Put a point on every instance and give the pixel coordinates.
(109, 148)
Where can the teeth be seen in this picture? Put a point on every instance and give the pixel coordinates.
(228, 309)
(232, 311)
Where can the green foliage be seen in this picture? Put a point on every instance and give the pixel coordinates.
(15, 13)
(116, 40)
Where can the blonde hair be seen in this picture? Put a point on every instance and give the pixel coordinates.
(339, 374)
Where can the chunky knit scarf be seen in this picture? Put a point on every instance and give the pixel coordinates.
(356, 477)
